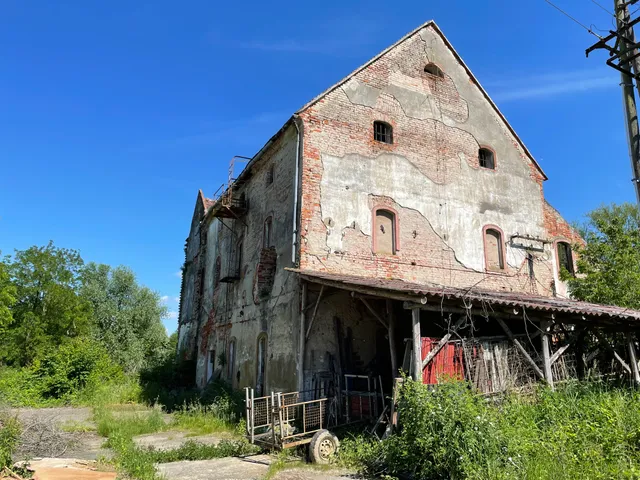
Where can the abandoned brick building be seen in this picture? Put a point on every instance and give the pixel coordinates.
(396, 221)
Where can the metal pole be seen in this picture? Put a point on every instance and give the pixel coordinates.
(628, 95)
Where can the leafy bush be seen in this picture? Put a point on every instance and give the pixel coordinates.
(9, 434)
(77, 365)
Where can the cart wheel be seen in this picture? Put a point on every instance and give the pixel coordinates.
(323, 447)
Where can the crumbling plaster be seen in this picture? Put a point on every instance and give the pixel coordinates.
(441, 180)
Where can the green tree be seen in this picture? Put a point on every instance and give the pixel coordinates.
(609, 262)
(47, 309)
(127, 316)
(7, 298)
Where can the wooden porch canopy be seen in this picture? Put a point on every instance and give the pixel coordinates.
(548, 312)
(480, 301)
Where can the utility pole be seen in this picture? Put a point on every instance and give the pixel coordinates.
(624, 56)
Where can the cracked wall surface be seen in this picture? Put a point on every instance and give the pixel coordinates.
(231, 311)
(430, 173)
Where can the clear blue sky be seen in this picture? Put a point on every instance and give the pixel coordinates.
(113, 114)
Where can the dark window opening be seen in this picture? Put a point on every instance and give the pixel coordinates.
(266, 234)
(261, 367)
(565, 257)
(493, 249)
(486, 158)
(270, 175)
(239, 260)
(218, 271)
(385, 232)
(231, 361)
(212, 363)
(382, 132)
(433, 69)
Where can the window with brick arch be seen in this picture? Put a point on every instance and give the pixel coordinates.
(493, 250)
(433, 69)
(382, 132)
(385, 232)
(565, 257)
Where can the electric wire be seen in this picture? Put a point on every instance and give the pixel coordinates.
(576, 21)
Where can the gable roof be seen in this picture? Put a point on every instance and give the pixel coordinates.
(433, 25)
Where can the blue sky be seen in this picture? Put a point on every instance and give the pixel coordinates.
(113, 114)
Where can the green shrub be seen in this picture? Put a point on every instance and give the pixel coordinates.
(586, 431)
(9, 435)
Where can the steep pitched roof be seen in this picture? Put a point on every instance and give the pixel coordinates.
(432, 24)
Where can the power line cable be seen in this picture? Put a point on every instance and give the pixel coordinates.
(603, 8)
(572, 18)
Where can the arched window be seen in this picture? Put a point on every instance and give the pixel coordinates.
(433, 69)
(261, 360)
(266, 233)
(384, 232)
(218, 271)
(231, 361)
(382, 132)
(486, 158)
(493, 249)
(565, 257)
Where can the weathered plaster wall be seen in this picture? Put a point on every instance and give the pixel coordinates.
(188, 315)
(430, 174)
(235, 310)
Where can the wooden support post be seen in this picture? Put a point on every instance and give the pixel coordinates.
(521, 349)
(302, 341)
(546, 353)
(606, 343)
(392, 339)
(633, 359)
(417, 345)
(443, 341)
(315, 310)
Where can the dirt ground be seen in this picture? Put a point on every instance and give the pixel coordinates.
(59, 453)
(44, 435)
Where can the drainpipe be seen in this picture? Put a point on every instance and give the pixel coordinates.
(295, 193)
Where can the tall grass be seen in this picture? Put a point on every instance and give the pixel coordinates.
(9, 435)
(585, 431)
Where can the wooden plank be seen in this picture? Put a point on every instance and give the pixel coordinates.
(521, 349)
(546, 357)
(606, 343)
(563, 348)
(373, 312)
(633, 359)
(392, 339)
(443, 341)
(302, 341)
(315, 310)
(417, 346)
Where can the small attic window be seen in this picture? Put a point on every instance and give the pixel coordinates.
(382, 132)
(486, 159)
(433, 69)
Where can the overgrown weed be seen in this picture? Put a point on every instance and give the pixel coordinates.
(587, 431)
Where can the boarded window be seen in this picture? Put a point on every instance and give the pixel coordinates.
(382, 132)
(385, 232)
(493, 250)
(433, 69)
(486, 159)
(565, 257)
(266, 234)
(239, 260)
(261, 367)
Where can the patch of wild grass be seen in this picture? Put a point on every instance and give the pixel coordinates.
(127, 424)
(204, 419)
(586, 431)
(79, 427)
(9, 435)
(289, 459)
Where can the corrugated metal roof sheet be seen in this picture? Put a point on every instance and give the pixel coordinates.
(490, 297)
